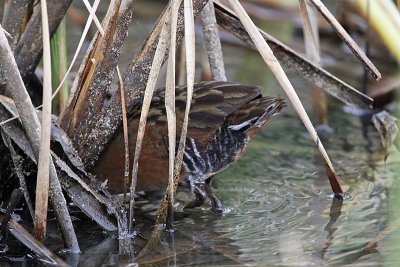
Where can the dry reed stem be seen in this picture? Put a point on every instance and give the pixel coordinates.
(269, 58)
(170, 102)
(92, 15)
(95, 76)
(42, 181)
(311, 39)
(125, 129)
(190, 72)
(165, 209)
(15, 89)
(212, 42)
(311, 43)
(8, 120)
(96, 20)
(148, 94)
(357, 51)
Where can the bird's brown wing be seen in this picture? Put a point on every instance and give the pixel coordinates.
(212, 103)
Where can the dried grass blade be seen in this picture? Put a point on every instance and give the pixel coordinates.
(153, 75)
(15, 199)
(190, 72)
(42, 181)
(170, 105)
(357, 51)
(282, 79)
(84, 33)
(96, 20)
(8, 120)
(125, 129)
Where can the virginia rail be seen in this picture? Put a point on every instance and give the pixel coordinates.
(224, 118)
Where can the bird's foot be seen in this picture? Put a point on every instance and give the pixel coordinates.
(202, 191)
(200, 197)
(216, 204)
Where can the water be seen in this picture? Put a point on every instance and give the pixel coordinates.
(279, 206)
(282, 212)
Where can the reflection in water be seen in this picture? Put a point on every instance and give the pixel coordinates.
(334, 213)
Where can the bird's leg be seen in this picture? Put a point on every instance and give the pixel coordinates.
(216, 204)
(202, 191)
(200, 197)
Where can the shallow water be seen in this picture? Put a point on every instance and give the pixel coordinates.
(279, 211)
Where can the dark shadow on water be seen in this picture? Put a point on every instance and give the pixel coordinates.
(334, 213)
